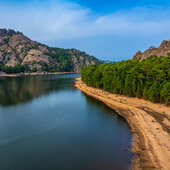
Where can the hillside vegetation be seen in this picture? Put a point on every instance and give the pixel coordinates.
(18, 54)
(148, 79)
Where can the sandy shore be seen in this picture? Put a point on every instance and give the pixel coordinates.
(149, 122)
(28, 74)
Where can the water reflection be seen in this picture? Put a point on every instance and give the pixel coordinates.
(15, 90)
(60, 129)
(108, 110)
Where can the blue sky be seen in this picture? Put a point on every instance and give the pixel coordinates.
(107, 29)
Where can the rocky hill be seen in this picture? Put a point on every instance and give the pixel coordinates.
(162, 50)
(18, 51)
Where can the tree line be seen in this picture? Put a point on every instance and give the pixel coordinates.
(148, 79)
(18, 68)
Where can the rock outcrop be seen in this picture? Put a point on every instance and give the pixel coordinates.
(162, 50)
(16, 48)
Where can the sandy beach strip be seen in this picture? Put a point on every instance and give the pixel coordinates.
(32, 74)
(149, 122)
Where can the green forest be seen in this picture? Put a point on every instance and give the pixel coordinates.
(63, 57)
(16, 69)
(148, 79)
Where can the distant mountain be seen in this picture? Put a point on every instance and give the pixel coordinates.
(19, 53)
(162, 50)
(107, 61)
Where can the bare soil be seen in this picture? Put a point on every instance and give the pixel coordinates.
(149, 122)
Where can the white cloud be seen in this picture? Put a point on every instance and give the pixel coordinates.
(56, 21)
(139, 21)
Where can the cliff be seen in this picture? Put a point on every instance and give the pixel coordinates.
(162, 50)
(17, 49)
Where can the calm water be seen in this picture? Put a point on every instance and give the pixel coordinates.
(47, 124)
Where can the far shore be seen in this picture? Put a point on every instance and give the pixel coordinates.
(28, 74)
(149, 122)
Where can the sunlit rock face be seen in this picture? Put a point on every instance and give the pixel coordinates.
(162, 50)
(16, 48)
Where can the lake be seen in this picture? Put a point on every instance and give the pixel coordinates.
(48, 124)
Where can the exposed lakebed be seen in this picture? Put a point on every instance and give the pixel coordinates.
(46, 123)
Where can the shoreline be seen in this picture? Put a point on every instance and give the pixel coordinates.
(32, 74)
(149, 122)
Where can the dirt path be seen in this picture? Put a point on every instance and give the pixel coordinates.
(149, 122)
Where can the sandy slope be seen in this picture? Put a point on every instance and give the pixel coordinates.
(149, 122)
(29, 74)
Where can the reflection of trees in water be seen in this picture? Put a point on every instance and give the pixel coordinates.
(108, 110)
(21, 89)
